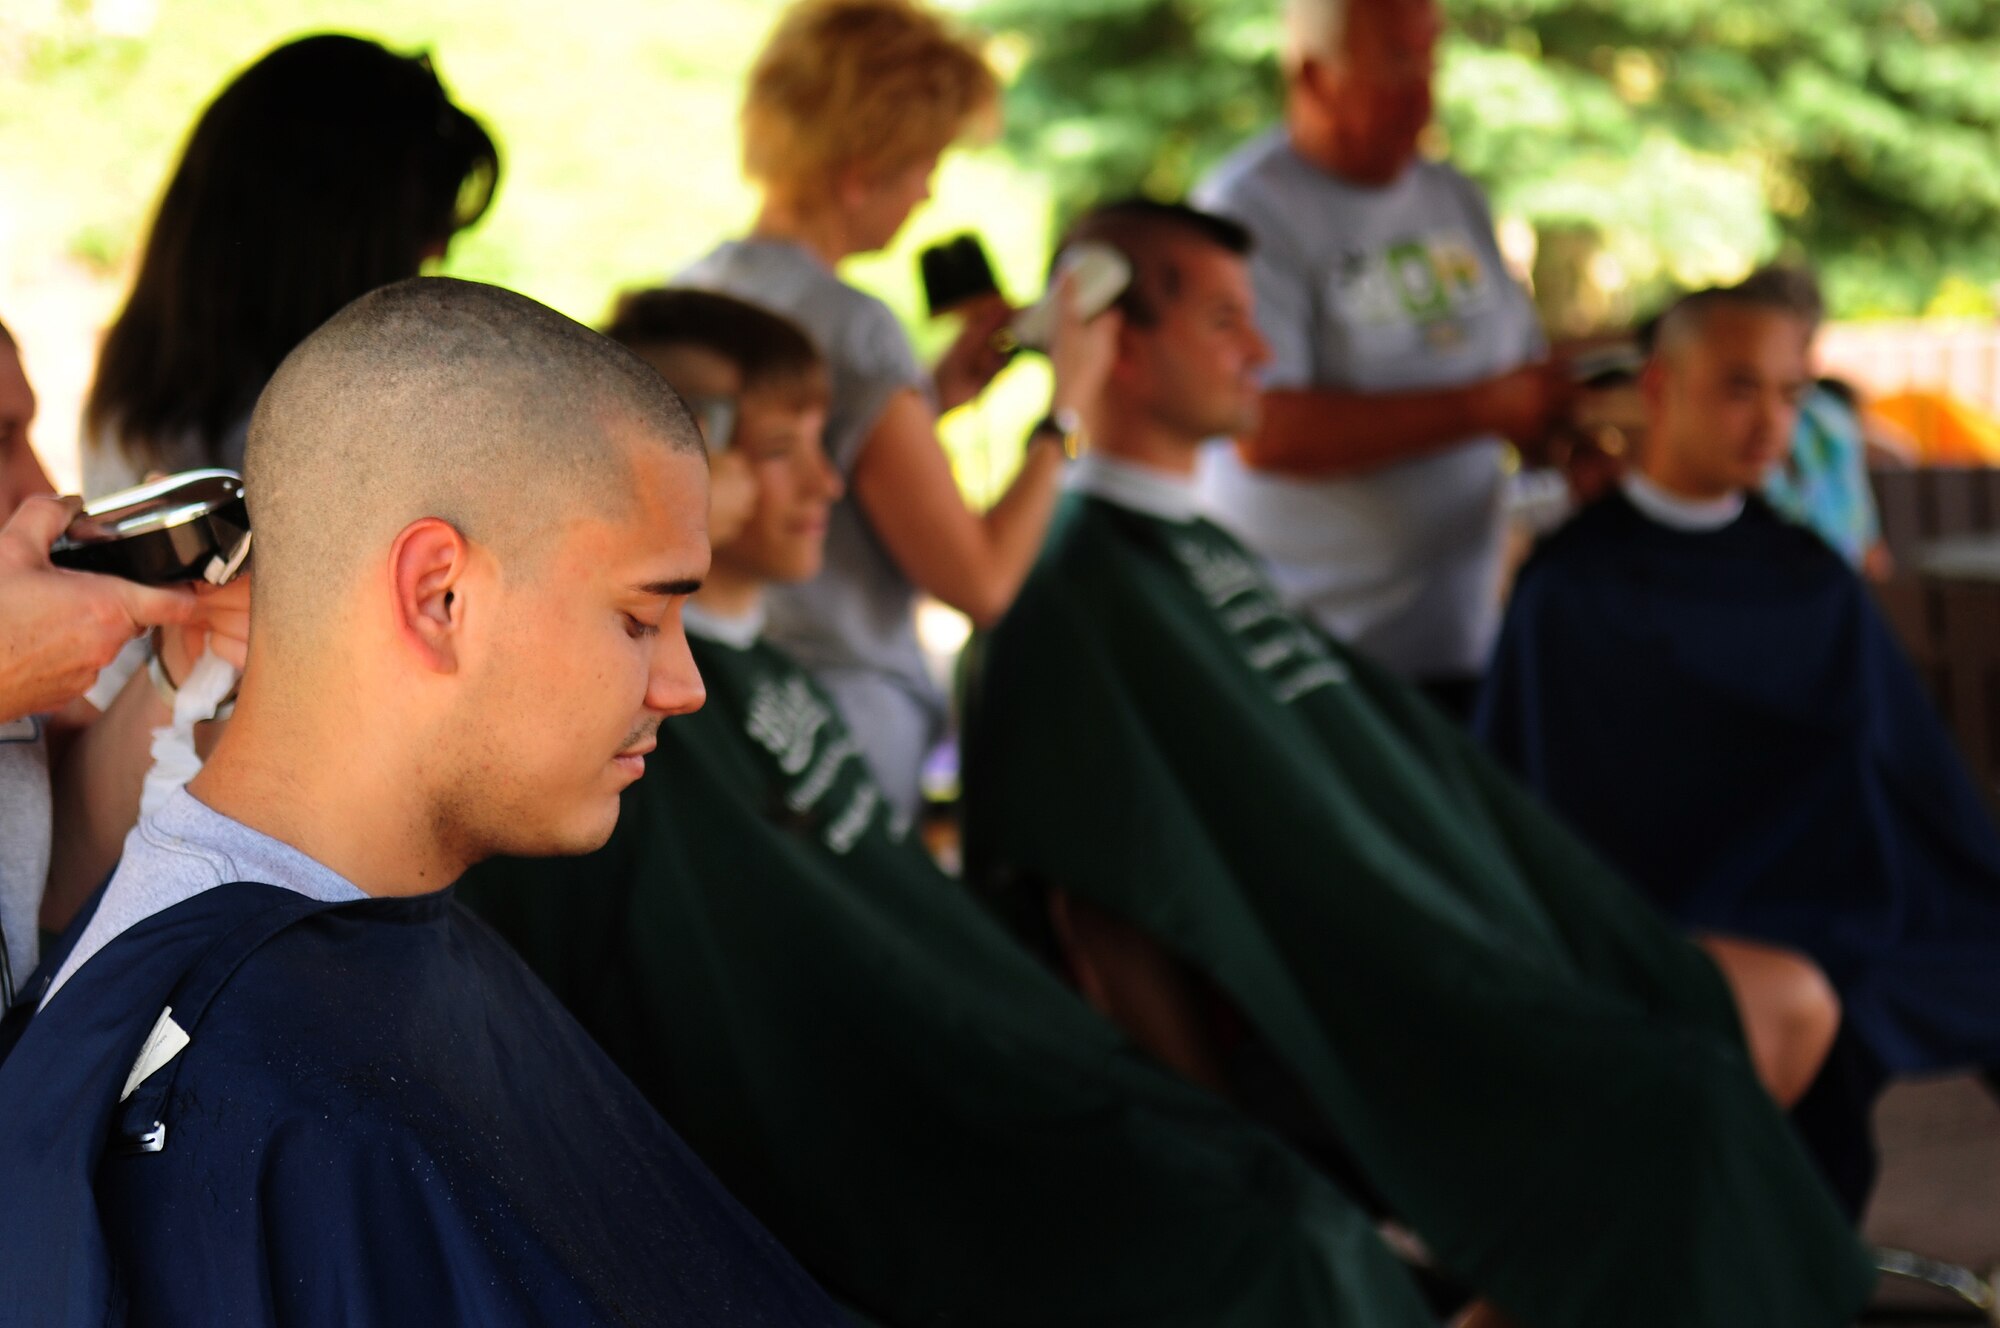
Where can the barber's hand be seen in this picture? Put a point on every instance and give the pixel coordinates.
(971, 363)
(221, 620)
(59, 628)
(1081, 352)
(732, 495)
(1526, 406)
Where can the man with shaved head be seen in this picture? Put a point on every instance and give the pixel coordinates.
(1708, 693)
(277, 1074)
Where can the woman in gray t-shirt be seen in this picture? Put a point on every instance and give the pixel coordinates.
(847, 111)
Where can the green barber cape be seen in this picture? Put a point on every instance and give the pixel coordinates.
(926, 1117)
(1544, 1081)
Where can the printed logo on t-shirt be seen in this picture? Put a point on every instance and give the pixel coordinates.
(1288, 654)
(25, 729)
(1432, 280)
(788, 720)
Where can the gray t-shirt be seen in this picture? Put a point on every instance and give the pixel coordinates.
(24, 841)
(182, 849)
(854, 625)
(1387, 289)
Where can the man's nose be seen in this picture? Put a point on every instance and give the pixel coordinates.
(675, 686)
(1777, 419)
(1260, 349)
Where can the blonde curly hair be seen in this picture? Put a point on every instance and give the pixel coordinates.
(875, 85)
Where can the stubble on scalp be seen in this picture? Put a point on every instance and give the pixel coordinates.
(436, 398)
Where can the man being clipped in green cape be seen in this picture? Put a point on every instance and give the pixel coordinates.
(935, 1125)
(1241, 824)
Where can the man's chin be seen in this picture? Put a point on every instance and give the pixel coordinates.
(1753, 474)
(586, 835)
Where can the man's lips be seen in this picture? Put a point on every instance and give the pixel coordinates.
(633, 759)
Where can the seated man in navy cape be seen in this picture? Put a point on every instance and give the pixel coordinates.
(277, 1075)
(1245, 824)
(1709, 695)
(924, 1114)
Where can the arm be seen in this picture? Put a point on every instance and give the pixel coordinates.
(903, 481)
(1320, 431)
(99, 769)
(975, 563)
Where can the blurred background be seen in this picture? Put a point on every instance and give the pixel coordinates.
(1630, 147)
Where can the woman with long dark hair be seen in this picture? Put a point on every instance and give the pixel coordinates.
(328, 168)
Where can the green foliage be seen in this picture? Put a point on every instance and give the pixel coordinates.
(1691, 138)
(616, 120)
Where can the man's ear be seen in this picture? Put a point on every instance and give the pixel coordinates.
(427, 565)
(1130, 357)
(852, 185)
(1653, 385)
(1314, 76)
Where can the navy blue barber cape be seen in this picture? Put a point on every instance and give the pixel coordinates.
(381, 1118)
(1725, 715)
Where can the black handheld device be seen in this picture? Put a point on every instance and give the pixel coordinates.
(954, 272)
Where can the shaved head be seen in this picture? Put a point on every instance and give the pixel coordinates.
(476, 523)
(1723, 386)
(1770, 292)
(1314, 28)
(438, 398)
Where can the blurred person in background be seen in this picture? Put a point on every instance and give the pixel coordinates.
(652, 324)
(1708, 694)
(1822, 484)
(849, 106)
(329, 167)
(1405, 357)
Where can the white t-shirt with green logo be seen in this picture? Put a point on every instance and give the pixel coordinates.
(1377, 290)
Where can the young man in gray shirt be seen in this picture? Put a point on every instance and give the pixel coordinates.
(1404, 355)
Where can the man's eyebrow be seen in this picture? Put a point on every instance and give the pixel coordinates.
(669, 588)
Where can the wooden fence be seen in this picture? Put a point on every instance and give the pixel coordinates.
(1961, 357)
(1950, 625)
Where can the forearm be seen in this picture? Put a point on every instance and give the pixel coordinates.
(974, 562)
(1015, 526)
(1318, 432)
(97, 783)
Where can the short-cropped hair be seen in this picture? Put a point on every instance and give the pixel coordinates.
(878, 85)
(1776, 288)
(1144, 229)
(771, 352)
(1785, 285)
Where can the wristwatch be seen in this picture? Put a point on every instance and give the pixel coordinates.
(1060, 426)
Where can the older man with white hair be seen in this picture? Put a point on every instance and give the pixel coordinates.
(1404, 355)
